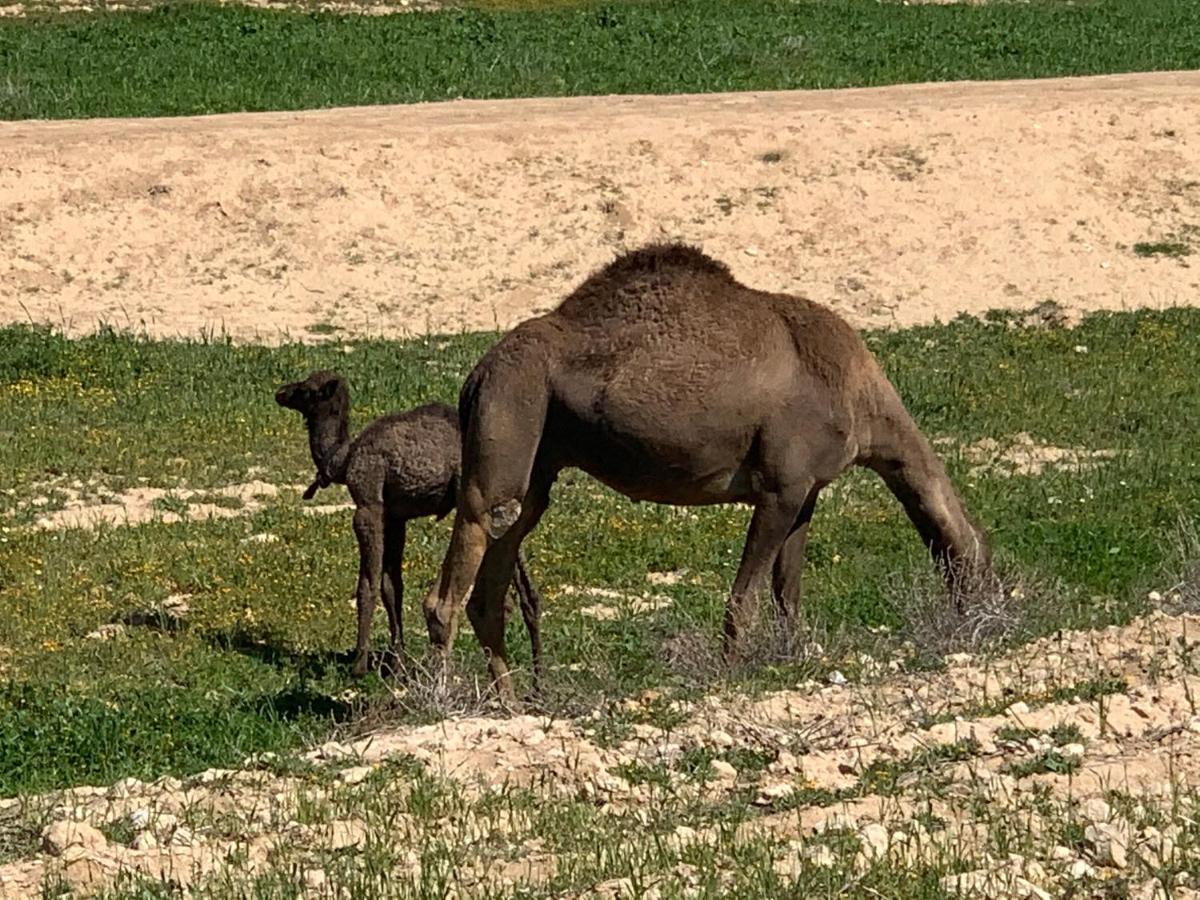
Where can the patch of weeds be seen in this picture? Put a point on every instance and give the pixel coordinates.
(119, 830)
(1172, 249)
(1091, 689)
(225, 501)
(641, 773)
(1065, 733)
(725, 204)
(1015, 734)
(884, 776)
(1050, 761)
(321, 328)
(771, 156)
(171, 504)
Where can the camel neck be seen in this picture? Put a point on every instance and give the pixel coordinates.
(329, 441)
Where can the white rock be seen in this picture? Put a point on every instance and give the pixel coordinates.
(144, 840)
(821, 856)
(720, 738)
(1080, 870)
(1097, 810)
(1073, 751)
(836, 678)
(65, 833)
(1110, 845)
(874, 838)
(723, 770)
(771, 793)
(107, 632)
(355, 774)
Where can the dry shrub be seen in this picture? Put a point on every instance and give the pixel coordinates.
(1183, 596)
(694, 652)
(981, 611)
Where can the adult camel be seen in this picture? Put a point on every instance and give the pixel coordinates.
(669, 381)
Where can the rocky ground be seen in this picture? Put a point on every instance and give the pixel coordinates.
(1086, 741)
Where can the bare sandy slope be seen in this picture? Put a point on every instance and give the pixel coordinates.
(896, 205)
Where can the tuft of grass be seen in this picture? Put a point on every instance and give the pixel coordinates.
(195, 58)
(1048, 762)
(1173, 249)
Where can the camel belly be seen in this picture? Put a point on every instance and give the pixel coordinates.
(659, 467)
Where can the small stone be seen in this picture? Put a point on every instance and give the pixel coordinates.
(107, 632)
(720, 738)
(874, 838)
(58, 836)
(1061, 853)
(314, 879)
(836, 678)
(1097, 810)
(1020, 708)
(771, 793)
(355, 774)
(1079, 870)
(182, 837)
(261, 538)
(144, 840)
(821, 856)
(1110, 843)
(1073, 751)
(723, 770)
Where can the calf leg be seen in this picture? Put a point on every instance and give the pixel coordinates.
(395, 531)
(369, 530)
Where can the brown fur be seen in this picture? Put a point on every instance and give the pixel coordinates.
(401, 466)
(668, 380)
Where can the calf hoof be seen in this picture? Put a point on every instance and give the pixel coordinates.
(393, 666)
(359, 669)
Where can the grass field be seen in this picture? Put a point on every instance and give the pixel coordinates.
(260, 661)
(199, 58)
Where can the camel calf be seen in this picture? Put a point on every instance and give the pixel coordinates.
(669, 381)
(401, 466)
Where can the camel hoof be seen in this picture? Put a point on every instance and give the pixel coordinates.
(359, 669)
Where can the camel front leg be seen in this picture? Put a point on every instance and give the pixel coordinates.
(787, 573)
(773, 519)
(369, 530)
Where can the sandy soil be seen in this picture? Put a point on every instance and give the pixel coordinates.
(896, 205)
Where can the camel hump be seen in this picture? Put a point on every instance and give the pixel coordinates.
(662, 257)
(635, 270)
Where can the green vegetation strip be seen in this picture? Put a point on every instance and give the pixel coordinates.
(197, 58)
(259, 661)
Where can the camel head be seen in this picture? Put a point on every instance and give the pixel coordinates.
(320, 394)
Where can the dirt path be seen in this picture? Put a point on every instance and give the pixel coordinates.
(896, 205)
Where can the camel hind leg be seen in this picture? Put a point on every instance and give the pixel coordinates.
(501, 435)
(906, 461)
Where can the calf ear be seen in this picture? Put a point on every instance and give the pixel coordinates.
(328, 389)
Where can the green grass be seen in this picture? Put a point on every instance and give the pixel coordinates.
(197, 58)
(1174, 249)
(260, 661)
